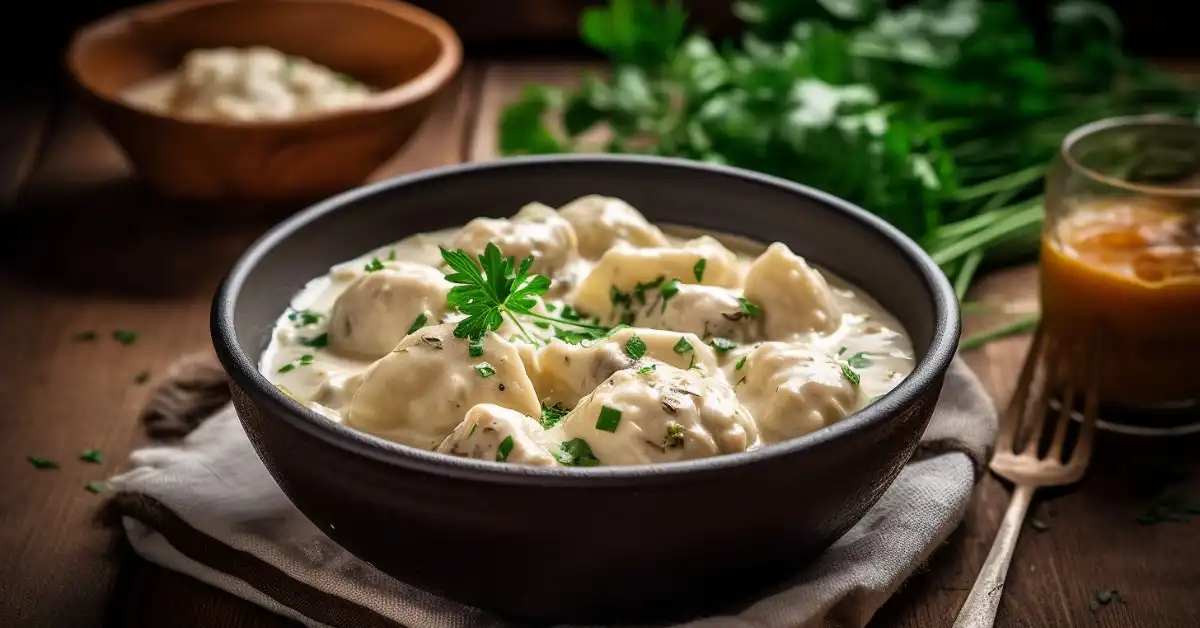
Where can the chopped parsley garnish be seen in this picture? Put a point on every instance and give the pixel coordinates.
(494, 288)
(669, 290)
(850, 375)
(646, 369)
(722, 344)
(125, 336)
(551, 415)
(841, 351)
(674, 435)
(418, 322)
(541, 324)
(317, 342)
(859, 360)
(91, 455)
(1104, 597)
(639, 289)
(142, 377)
(505, 448)
(42, 463)
(287, 367)
(471, 432)
(306, 359)
(749, 308)
(484, 369)
(609, 419)
(618, 298)
(303, 318)
(475, 347)
(373, 265)
(85, 336)
(95, 488)
(683, 346)
(740, 363)
(550, 307)
(692, 363)
(698, 269)
(392, 255)
(575, 453)
(635, 347)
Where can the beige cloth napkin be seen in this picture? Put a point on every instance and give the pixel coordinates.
(207, 507)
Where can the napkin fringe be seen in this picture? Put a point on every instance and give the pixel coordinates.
(309, 601)
(193, 389)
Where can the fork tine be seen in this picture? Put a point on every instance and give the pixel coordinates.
(1051, 362)
(1011, 423)
(1066, 353)
(1098, 351)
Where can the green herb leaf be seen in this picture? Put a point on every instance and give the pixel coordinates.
(722, 345)
(392, 255)
(125, 336)
(491, 289)
(740, 363)
(142, 377)
(575, 453)
(41, 463)
(85, 336)
(609, 419)
(850, 375)
(471, 432)
(475, 346)
(304, 318)
(749, 308)
(551, 415)
(650, 368)
(91, 455)
(698, 269)
(674, 436)
(95, 488)
(505, 448)
(635, 347)
(317, 342)
(373, 265)
(858, 360)
(683, 346)
(287, 368)
(1023, 325)
(418, 322)
(484, 369)
(669, 290)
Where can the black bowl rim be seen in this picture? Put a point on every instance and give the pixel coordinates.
(927, 373)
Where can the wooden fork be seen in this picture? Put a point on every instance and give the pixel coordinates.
(1019, 455)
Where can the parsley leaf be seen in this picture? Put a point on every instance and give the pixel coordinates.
(635, 347)
(669, 290)
(505, 448)
(858, 360)
(850, 375)
(142, 377)
(373, 265)
(491, 289)
(317, 342)
(722, 344)
(475, 347)
(551, 415)
(85, 336)
(95, 488)
(740, 363)
(91, 455)
(304, 318)
(125, 336)
(646, 369)
(683, 346)
(42, 463)
(418, 322)
(749, 308)
(306, 359)
(484, 369)
(698, 269)
(609, 419)
(287, 368)
(575, 453)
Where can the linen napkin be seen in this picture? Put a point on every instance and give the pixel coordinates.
(206, 506)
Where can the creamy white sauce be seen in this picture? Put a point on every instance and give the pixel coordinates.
(759, 349)
(250, 84)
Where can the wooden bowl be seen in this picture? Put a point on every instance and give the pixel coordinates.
(406, 52)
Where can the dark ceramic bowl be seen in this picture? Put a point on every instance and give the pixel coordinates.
(586, 544)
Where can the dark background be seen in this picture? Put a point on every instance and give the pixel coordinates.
(32, 46)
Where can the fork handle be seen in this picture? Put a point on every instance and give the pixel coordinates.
(979, 611)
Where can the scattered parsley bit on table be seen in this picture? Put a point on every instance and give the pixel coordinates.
(91, 455)
(635, 347)
(142, 377)
(42, 463)
(505, 448)
(125, 336)
(683, 346)
(95, 488)
(1104, 597)
(1170, 509)
(85, 336)
(575, 453)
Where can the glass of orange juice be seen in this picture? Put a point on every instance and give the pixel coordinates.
(1121, 253)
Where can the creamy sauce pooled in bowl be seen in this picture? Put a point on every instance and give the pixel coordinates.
(637, 345)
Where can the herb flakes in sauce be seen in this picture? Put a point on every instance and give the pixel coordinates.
(698, 269)
(674, 436)
(304, 318)
(471, 431)
(316, 342)
(484, 369)
(575, 453)
(740, 363)
(418, 322)
(609, 419)
(505, 448)
(639, 289)
(287, 368)
(722, 345)
(749, 308)
(41, 463)
(551, 415)
(635, 347)
(858, 360)
(669, 290)
(646, 369)
(850, 375)
(475, 347)
(683, 346)
(373, 265)
(306, 359)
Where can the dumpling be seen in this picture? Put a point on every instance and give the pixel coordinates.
(419, 392)
(702, 310)
(624, 269)
(601, 222)
(563, 373)
(492, 432)
(794, 297)
(792, 390)
(536, 230)
(376, 310)
(659, 415)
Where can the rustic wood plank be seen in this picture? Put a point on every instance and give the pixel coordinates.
(91, 250)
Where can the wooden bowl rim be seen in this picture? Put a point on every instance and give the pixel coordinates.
(425, 84)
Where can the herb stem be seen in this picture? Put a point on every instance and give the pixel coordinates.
(966, 273)
(989, 235)
(1000, 184)
(516, 321)
(1022, 325)
(563, 321)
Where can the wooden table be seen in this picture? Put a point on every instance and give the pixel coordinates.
(84, 248)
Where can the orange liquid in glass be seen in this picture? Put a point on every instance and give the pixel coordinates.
(1133, 265)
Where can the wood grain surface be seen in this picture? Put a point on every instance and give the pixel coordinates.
(87, 248)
